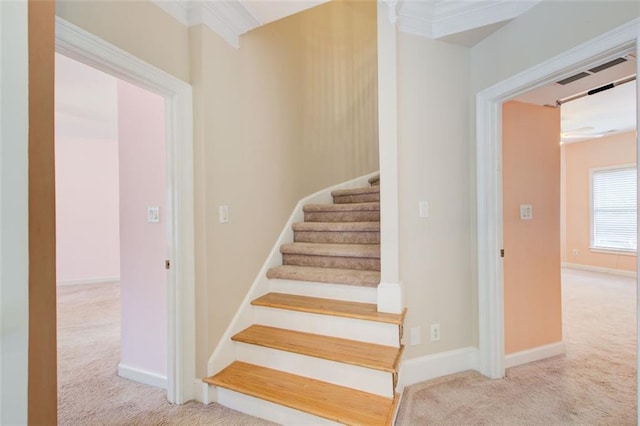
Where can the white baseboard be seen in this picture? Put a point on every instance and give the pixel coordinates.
(97, 280)
(202, 392)
(599, 269)
(142, 376)
(534, 354)
(429, 367)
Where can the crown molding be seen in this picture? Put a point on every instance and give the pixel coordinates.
(228, 18)
(179, 9)
(427, 18)
(440, 18)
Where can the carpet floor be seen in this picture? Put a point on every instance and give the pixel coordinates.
(89, 390)
(593, 384)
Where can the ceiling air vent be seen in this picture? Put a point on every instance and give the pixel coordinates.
(573, 78)
(607, 65)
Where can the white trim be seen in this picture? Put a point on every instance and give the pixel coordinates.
(142, 376)
(224, 353)
(267, 410)
(14, 212)
(390, 290)
(489, 176)
(436, 20)
(611, 271)
(82, 281)
(534, 354)
(78, 44)
(429, 367)
(204, 393)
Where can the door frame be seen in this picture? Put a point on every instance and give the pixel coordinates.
(78, 44)
(489, 176)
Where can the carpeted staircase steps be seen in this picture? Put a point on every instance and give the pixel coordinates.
(336, 359)
(324, 255)
(353, 277)
(337, 232)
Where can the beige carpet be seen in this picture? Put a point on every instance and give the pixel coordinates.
(594, 384)
(90, 392)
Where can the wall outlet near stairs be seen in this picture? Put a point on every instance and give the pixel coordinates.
(435, 332)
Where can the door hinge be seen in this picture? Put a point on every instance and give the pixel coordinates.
(501, 252)
(167, 264)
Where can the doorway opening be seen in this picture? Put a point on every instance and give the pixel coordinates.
(86, 48)
(111, 235)
(489, 159)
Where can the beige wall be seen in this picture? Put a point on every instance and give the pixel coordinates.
(531, 175)
(292, 111)
(433, 151)
(282, 117)
(579, 159)
(137, 26)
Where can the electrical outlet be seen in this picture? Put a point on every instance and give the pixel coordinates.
(435, 332)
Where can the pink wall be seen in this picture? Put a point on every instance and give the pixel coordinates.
(579, 158)
(143, 245)
(86, 156)
(531, 175)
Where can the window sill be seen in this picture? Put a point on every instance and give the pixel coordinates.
(614, 251)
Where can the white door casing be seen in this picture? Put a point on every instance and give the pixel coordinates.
(489, 176)
(85, 47)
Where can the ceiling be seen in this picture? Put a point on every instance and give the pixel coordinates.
(457, 21)
(592, 116)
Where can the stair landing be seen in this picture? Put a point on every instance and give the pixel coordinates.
(326, 400)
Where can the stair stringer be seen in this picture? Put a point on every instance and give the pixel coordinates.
(225, 352)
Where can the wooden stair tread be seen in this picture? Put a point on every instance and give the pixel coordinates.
(322, 399)
(328, 249)
(316, 305)
(369, 355)
(354, 277)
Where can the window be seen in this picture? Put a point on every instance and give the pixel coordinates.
(613, 209)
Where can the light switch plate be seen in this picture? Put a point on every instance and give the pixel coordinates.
(423, 209)
(526, 212)
(153, 214)
(224, 214)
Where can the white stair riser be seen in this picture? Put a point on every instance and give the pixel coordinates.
(347, 293)
(352, 376)
(267, 410)
(327, 325)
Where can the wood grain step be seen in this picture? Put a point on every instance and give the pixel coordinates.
(316, 305)
(352, 277)
(368, 355)
(332, 402)
(356, 195)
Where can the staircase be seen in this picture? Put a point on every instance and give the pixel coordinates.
(317, 345)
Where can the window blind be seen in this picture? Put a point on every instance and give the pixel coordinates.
(614, 209)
